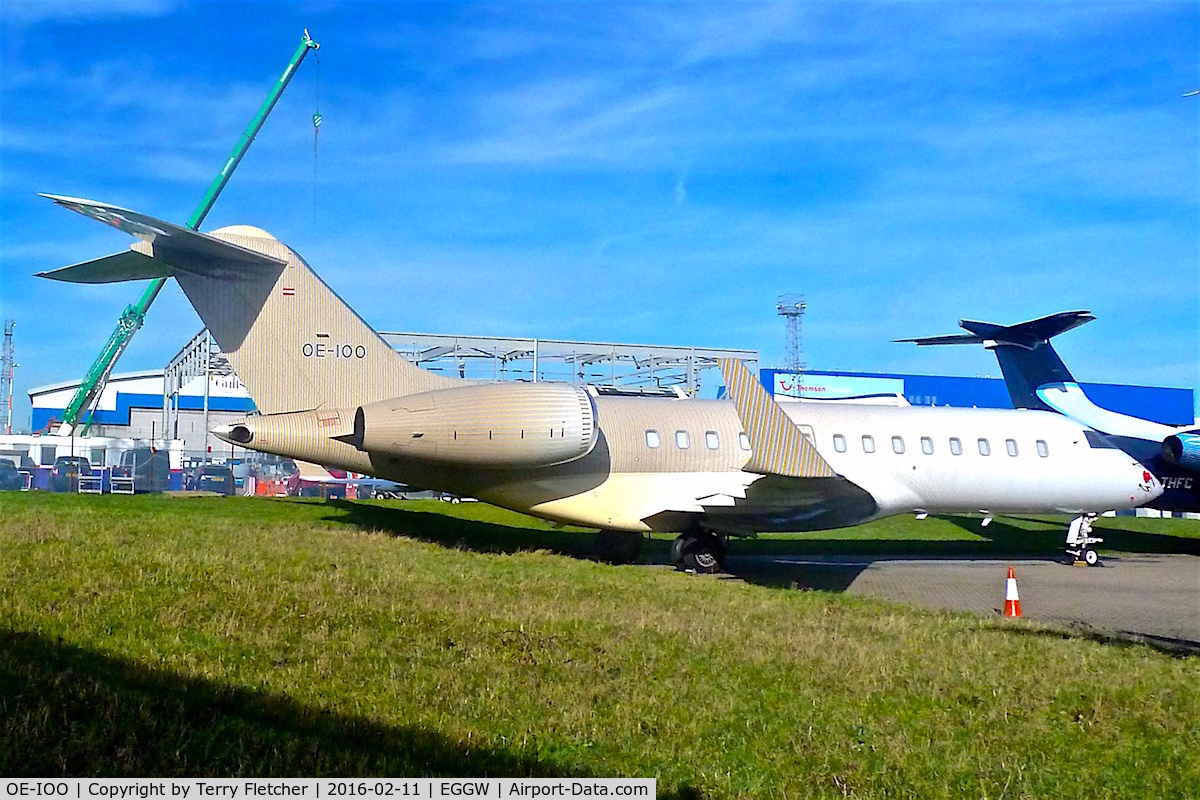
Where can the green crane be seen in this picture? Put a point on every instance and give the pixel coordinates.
(132, 318)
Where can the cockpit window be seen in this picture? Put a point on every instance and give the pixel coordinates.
(1098, 441)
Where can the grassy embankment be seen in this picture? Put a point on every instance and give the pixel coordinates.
(156, 636)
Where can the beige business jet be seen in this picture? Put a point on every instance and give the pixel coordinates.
(331, 391)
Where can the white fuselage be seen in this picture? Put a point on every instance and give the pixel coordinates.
(1054, 469)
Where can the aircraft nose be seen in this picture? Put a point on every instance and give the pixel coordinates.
(1148, 486)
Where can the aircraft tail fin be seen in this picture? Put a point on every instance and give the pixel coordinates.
(1027, 359)
(292, 341)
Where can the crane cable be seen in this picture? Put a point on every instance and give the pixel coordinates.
(316, 130)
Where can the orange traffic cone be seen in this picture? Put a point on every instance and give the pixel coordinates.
(1012, 601)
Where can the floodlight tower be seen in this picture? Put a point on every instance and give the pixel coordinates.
(791, 307)
(7, 362)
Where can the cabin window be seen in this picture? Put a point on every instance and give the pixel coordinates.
(897, 444)
(955, 445)
(711, 441)
(868, 444)
(652, 440)
(985, 449)
(1042, 448)
(927, 445)
(744, 441)
(1011, 446)
(681, 440)
(839, 443)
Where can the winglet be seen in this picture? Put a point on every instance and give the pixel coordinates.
(778, 446)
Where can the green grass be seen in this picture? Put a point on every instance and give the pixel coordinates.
(162, 636)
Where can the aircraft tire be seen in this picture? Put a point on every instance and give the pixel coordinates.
(703, 554)
(677, 551)
(620, 547)
(1091, 557)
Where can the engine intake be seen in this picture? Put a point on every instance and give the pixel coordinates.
(1183, 449)
(518, 425)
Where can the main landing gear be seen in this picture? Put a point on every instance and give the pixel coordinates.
(1080, 540)
(699, 551)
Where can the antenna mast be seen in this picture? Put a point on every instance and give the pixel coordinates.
(7, 362)
(791, 307)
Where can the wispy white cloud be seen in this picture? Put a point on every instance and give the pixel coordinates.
(663, 171)
(31, 12)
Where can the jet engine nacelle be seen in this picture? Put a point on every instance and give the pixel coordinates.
(497, 425)
(1183, 449)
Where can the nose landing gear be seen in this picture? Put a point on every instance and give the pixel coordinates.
(1080, 540)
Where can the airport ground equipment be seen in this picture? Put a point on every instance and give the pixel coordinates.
(134, 316)
(1080, 540)
(1012, 599)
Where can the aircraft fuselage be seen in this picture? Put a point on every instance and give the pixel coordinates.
(668, 464)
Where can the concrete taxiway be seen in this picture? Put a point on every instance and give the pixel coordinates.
(1150, 597)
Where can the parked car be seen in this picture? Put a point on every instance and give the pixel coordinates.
(213, 478)
(10, 478)
(67, 472)
(150, 470)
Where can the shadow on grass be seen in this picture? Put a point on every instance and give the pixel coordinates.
(828, 564)
(1005, 537)
(1127, 541)
(1050, 537)
(462, 534)
(1000, 538)
(71, 711)
(1178, 647)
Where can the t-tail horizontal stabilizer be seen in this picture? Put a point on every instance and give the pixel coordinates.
(1027, 335)
(163, 250)
(293, 342)
(1027, 359)
(777, 445)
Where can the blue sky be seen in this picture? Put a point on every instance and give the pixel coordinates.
(636, 172)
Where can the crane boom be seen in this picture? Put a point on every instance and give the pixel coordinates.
(134, 315)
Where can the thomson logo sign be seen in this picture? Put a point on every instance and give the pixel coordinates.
(788, 384)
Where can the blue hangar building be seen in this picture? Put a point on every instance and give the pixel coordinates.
(1165, 405)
